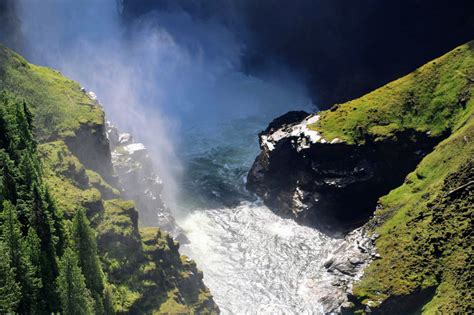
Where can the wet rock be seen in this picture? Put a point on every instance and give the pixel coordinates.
(347, 308)
(331, 185)
(344, 267)
(140, 182)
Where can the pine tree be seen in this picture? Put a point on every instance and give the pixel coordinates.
(86, 248)
(31, 224)
(32, 249)
(57, 223)
(28, 115)
(10, 289)
(41, 223)
(25, 135)
(19, 260)
(3, 127)
(9, 175)
(74, 296)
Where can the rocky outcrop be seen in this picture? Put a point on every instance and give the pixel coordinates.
(344, 267)
(90, 144)
(402, 153)
(331, 185)
(139, 182)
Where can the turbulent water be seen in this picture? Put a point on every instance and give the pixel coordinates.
(254, 261)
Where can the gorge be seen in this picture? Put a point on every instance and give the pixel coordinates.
(179, 131)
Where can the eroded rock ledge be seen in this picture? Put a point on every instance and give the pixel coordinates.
(331, 185)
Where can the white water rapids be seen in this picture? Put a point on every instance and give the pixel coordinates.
(255, 262)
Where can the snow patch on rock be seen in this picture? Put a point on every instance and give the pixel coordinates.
(134, 148)
(304, 135)
(125, 138)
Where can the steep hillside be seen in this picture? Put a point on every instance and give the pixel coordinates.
(406, 150)
(144, 272)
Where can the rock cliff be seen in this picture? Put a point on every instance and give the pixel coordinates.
(329, 184)
(139, 182)
(397, 161)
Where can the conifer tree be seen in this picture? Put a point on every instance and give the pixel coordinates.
(10, 289)
(57, 223)
(28, 115)
(19, 259)
(3, 127)
(41, 223)
(74, 296)
(24, 133)
(31, 225)
(32, 249)
(86, 248)
(9, 175)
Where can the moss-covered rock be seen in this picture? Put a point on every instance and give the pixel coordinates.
(425, 240)
(329, 169)
(59, 104)
(72, 185)
(62, 109)
(181, 277)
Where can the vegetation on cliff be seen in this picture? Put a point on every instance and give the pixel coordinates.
(424, 225)
(65, 230)
(434, 99)
(58, 103)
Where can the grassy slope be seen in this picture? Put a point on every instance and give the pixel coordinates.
(60, 109)
(58, 102)
(424, 230)
(431, 99)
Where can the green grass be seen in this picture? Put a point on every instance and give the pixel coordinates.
(431, 100)
(68, 180)
(58, 103)
(424, 243)
(183, 294)
(173, 305)
(124, 298)
(418, 251)
(119, 219)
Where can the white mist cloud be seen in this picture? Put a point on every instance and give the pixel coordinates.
(166, 79)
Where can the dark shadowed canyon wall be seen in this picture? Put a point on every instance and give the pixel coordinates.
(344, 49)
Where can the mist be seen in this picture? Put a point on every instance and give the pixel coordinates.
(171, 80)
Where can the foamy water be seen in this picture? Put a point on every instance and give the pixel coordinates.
(255, 262)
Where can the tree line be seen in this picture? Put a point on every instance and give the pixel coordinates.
(47, 264)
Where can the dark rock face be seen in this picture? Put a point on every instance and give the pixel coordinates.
(344, 49)
(332, 186)
(91, 146)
